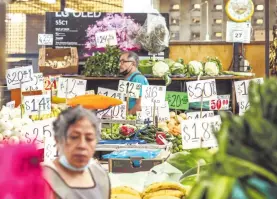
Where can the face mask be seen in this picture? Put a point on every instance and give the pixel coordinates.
(63, 161)
(125, 72)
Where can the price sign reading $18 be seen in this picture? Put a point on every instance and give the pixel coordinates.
(195, 130)
(110, 93)
(36, 132)
(129, 88)
(196, 89)
(241, 88)
(70, 87)
(151, 94)
(37, 83)
(17, 76)
(37, 103)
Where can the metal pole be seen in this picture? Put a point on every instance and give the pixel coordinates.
(266, 3)
(2, 49)
(63, 5)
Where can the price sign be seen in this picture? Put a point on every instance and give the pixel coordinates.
(37, 131)
(139, 115)
(50, 149)
(195, 130)
(90, 92)
(238, 32)
(196, 89)
(106, 38)
(161, 111)
(37, 103)
(37, 83)
(130, 88)
(116, 112)
(51, 82)
(110, 93)
(241, 88)
(177, 100)
(45, 39)
(16, 75)
(222, 103)
(196, 115)
(70, 87)
(10, 104)
(151, 94)
(243, 105)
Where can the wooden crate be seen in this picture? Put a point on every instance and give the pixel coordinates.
(58, 61)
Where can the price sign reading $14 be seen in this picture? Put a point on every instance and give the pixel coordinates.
(241, 88)
(129, 88)
(37, 103)
(37, 83)
(195, 130)
(36, 132)
(177, 100)
(70, 87)
(17, 76)
(196, 89)
(151, 94)
(110, 93)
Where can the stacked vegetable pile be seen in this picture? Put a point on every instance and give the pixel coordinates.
(103, 64)
(245, 164)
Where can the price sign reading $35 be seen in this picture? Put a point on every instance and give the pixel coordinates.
(205, 88)
(151, 94)
(195, 130)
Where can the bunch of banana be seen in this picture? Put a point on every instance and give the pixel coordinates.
(164, 190)
(54, 113)
(124, 192)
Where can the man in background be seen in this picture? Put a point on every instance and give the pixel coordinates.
(129, 62)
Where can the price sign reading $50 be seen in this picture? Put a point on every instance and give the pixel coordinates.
(205, 88)
(195, 130)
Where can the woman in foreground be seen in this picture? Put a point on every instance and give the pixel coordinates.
(74, 175)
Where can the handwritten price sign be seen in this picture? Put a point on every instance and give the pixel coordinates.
(45, 39)
(70, 87)
(222, 103)
(51, 82)
(10, 104)
(196, 115)
(37, 131)
(37, 83)
(50, 149)
(130, 88)
(196, 89)
(177, 100)
(116, 112)
(161, 111)
(17, 76)
(243, 106)
(110, 93)
(37, 103)
(106, 38)
(241, 88)
(195, 130)
(151, 94)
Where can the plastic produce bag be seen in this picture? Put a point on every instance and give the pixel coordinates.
(145, 154)
(153, 36)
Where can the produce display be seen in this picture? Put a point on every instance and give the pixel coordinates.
(55, 111)
(103, 64)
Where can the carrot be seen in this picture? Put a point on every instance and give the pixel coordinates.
(94, 101)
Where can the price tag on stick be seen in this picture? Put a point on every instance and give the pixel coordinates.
(37, 83)
(50, 149)
(17, 76)
(241, 88)
(151, 94)
(195, 130)
(37, 104)
(106, 38)
(45, 39)
(70, 87)
(110, 93)
(177, 100)
(131, 89)
(202, 89)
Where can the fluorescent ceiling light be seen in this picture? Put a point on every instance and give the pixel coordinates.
(196, 6)
(69, 10)
(218, 21)
(260, 7)
(49, 1)
(218, 34)
(259, 21)
(176, 7)
(218, 7)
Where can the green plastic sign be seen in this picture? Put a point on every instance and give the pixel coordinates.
(177, 100)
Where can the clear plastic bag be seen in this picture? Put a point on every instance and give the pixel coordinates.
(153, 36)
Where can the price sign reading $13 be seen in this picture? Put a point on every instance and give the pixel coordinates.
(195, 130)
(196, 89)
(37, 83)
(37, 103)
(151, 94)
(36, 132)
(241, 88)
(70, 87)
(19, 75)
(129, 88)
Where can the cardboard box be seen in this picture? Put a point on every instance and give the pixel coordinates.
(58, 61)
(127, 165)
